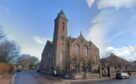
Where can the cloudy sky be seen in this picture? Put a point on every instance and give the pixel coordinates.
(110, 24)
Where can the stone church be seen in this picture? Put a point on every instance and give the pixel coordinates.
(59, 53)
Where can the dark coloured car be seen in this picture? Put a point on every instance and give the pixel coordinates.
(122, 75)
(18, 70)
(38, 70)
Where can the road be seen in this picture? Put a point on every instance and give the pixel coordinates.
(112, 81)
(32, 77)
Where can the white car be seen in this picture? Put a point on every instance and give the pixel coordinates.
(122, 75)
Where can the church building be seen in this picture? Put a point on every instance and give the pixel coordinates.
(64, 53)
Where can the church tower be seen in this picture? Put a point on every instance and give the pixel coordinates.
(60, 40)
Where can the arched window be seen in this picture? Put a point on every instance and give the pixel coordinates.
(63, 26)
(62, 37)
(95, 59)
(77, 50)
(61, 59)
(85, 52)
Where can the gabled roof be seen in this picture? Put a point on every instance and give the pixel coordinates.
(71, 39)
(81, 36)
(47, 45)
(49, 42)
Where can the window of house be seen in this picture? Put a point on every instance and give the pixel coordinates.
(63, 26)
(95, 59)
(85, 52)
(61, 58)
(62, 37)
(77, 50)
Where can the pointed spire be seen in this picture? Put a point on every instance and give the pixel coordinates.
(70, 36)
(61, 14)
(80, 32)
(81, 36)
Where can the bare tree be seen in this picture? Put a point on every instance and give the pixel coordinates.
(115, 61)
(27, 61)
(24, 61)
(76, 62)
(87, 65)
(9, 52)
(34, 62)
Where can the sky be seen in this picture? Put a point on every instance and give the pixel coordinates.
(109, 24)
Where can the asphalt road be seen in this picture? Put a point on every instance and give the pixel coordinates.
(112, 81)
(32, 77)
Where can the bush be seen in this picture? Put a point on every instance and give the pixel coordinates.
(6, 68)
(57, 69)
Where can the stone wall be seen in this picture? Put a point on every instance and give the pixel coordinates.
(85, 76)
(113, 75)
(92, 75)
(133, 73)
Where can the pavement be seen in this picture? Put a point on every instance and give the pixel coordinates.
(5, 80)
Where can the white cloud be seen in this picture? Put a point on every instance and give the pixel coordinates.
(97, 36)
(39, 40)
(90, 2)
(98, 31)
(112, 3)
(124, 52)
(115, 3)
(32, 50)
(110, 26)
(34, 46)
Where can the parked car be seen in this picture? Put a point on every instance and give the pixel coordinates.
(67, 76)
(38, 70)
(122, 75)
(18, 70)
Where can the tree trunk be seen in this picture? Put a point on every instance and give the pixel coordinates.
(100, 71)
(77, 71)
(109, 71)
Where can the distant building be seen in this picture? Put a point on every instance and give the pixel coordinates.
(58, 54)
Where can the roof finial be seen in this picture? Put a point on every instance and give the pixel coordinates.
(61, 12)
(61, 9)
(80, 32)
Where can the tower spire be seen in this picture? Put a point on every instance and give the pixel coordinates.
(61, 14)
(60, 38)
(80, 32)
